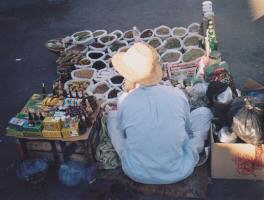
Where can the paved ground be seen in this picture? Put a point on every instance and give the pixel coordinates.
(27, 24)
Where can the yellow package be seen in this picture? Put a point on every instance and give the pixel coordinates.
(52, 124)
(70, 132)
(51, 134)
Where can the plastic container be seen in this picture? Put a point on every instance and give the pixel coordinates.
(84, 37)
(179, 32)
(107, 39)
(83, 74)
(191, 40)
(171, 56)
(116, 46)
(119, 34)
(163, 32)
(194, 28)
(147, 34)
(99, 33)
(95, 55)
(192, 54)
(84, 63)
(128, 36)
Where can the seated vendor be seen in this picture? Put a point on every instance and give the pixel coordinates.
(152, 129)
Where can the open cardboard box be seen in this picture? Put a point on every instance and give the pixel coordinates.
(237, 160)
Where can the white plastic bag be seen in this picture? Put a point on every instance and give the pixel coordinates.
(192, 54)
(104, 39)
(80, 66)
(166, 32)
(99, 96)
(119, 34)
(194, 27)
(88, 70)
(128, 36)
(180, 32)
(86, 40)
(226, 96)
(226, 136)
(166, 54)
(99, 33)
(191, 40)
(159, 42)
(144, 37)
(90, 55)
(112, 51)
(200, 119)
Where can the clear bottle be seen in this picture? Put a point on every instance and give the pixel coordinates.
(136, 34)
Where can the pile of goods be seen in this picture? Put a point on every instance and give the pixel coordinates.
(55, 115)
(86, 77)
(86, 55)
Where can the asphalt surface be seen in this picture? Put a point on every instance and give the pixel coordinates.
(27, 24)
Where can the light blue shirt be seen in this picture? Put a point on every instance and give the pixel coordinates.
(155, 122)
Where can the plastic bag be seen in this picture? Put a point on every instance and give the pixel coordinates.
(226, 96)
(197, 95)
(248, 122)
(33, 171)
(225, 136)
(73, 173)
(236, 105)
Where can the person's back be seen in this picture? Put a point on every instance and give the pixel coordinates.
(155, 122)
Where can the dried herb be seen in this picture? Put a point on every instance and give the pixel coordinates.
(94, 55)
(117, 45)
(171, 57)
(84, 61)
(154, 43)
(180, 32)
(191, 55)
(98, 65)
(113, 93)
(172, 43)
(101, 89)
(194, 28)
(107, 38)
(129, 34)
(85, 73)
(97, 45)
(163, 31)
(146, 34)
(192, 41)
(117, 79)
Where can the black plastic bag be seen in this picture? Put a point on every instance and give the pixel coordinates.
(248, 122)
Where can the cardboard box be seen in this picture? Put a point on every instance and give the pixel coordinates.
(38, 145)
(236, 160)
